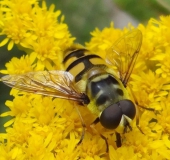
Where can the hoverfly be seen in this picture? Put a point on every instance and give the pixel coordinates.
(88, 79)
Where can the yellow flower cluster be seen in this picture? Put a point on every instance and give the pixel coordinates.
(47, 128)
(36, 30)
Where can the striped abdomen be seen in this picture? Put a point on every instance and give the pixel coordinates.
(78, 61)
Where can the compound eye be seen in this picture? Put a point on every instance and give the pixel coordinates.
(111, 116)
(128, 108)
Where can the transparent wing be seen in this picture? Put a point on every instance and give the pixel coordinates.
(124, 52)
(50, 83)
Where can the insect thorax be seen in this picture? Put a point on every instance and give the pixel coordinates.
(104, 90)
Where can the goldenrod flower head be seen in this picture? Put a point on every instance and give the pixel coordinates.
(50, 128)
(35, 29)
(18, 66)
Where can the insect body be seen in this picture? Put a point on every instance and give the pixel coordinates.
(108, 97)
(88, 79)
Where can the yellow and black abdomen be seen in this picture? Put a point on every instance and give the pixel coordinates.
(78, 60)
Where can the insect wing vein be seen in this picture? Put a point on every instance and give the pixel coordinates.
(124, 52)
(51, 83)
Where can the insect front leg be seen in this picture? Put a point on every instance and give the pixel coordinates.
(137, 115)
(118, 137)
(118, 140)
(97, 120)
(83, 126)
(137, 106)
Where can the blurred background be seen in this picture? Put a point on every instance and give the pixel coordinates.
(83, 17)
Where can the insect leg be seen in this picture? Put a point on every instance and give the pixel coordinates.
(97, 120)
(107, 145)
(83, 125)
(118, 137)
(137, 120)
(137, 116)
(137, 111)
(149, 109)
(118, 140)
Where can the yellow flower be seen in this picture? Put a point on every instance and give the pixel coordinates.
(14, 22)
(96, 147)
(151, 87)
(102, 40)
(50, 128)
(19, 66)
(163, 117)
(164, 69)
(34, 28)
